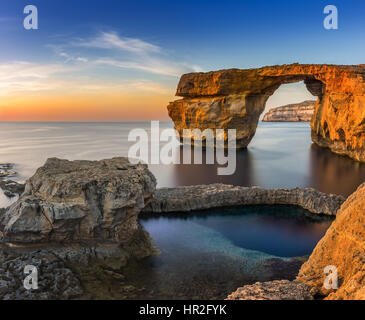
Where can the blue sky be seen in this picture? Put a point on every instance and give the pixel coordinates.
(144, 46)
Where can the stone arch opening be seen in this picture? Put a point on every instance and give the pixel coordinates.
(314, 86)
(290, 102)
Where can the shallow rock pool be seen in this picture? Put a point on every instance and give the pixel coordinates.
(209, 254)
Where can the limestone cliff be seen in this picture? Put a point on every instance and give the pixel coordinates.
(291, 113)
(235, 99)
(343, 246)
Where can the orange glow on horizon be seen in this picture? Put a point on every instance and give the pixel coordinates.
(91, 107)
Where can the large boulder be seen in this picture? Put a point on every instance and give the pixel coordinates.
(343, 246)
(234, 99)
(80, 200)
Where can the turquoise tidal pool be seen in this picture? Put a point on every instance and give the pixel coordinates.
(209, 254)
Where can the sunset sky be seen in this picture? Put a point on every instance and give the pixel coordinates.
(121, 60)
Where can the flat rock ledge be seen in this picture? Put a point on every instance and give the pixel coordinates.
(201, 197)
(273, 290)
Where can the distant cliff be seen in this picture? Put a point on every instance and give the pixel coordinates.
(291, 112)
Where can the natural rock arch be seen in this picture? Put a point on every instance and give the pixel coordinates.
(235, 99)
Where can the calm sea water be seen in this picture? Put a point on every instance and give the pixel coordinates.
(280, 155)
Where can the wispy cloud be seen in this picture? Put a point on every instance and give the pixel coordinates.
(26, 76)
(137, 86)
(23, 77)
(146, 56)
(77, 69)
(111, 40)
(150, 65)
(69, 58)
(25, 70)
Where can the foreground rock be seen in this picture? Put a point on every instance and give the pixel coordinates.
(184, 199)
(273, 290)
(80, 200)
(56, 280)
(67, 271)
(299, 112)
(73, 216)
(235, 99)
(343, 246)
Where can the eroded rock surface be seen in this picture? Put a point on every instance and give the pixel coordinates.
(273, 290)
(74, 217)
(66, 271)
(55, 281)
(80, 200)
(184, 199)
(299, 112)
(234, 99)
(343, 246)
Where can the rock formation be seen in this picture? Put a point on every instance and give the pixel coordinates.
(185, 199)
(73, 217)
(234, 99)
(80, 200)
(273, 290)
(291, 113)
(343, 246)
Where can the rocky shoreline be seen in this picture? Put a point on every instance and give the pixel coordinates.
(78, 220)
(185, 199)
